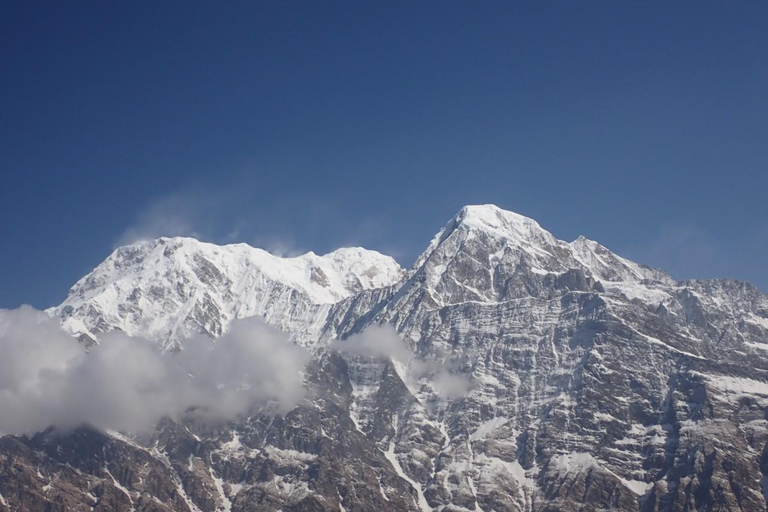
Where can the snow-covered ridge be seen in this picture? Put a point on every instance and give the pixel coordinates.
(325, 279)
(502, 223)
(611, 267)
(486, 254)
(170, 288)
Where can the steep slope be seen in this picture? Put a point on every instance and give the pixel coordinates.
(171, 288)
(540, 375)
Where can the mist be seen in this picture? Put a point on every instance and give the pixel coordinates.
(128, 384)
(383, 341)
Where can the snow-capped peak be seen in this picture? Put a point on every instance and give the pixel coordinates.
(491, 218)
(170, 288)
(487, 254)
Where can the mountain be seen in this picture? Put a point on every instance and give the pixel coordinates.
(543, 376)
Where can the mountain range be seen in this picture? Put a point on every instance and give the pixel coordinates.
(506, 370)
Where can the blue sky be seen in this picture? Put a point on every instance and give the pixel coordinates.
(310, 125)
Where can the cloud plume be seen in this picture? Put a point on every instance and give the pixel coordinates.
(128, 384)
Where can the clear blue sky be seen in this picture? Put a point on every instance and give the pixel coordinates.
(310, 125)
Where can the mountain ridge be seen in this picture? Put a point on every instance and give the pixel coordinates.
(540, 375)
(93, 305)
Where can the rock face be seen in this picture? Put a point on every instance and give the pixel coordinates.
(543, 376)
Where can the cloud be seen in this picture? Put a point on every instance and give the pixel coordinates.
(451, 385)
(383, 341)
(178, 214)
(128, 384)
(376, 341)
(252, 363)
(246, 209)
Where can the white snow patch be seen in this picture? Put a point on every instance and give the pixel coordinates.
(234, 444)
(341, 505)
(738, 385)
(219, 483)
(632, 290)
(487, 428)
(121, 487)
(757, 320)
(289, 455)
(392, 458)
(637, 486)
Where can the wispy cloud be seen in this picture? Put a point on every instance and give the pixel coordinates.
(178, 214)
(243, 210)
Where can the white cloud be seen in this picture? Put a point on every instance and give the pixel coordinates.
(383, 341)
(451, 385)
(376, 341)
(128, 384)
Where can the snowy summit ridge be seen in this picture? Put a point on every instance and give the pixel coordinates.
(170, 288)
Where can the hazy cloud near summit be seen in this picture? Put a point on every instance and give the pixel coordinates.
(173, 215)
(127, 384)
(244, 210)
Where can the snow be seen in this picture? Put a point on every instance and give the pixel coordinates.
(578, 461)
(738, 385)
(604, 264)
(122, 488)
(503, 223)
(637, 486)
(152, 288)
(289, 456)
(757, 320)
(656, 341)
(491, 470)
(219, 483)
(759, 346)
(382, 491)
(362, 395)
(486, 428)
(636, 291)
(287, 486)
(341, 505)
(392, 458)
(234, 444)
